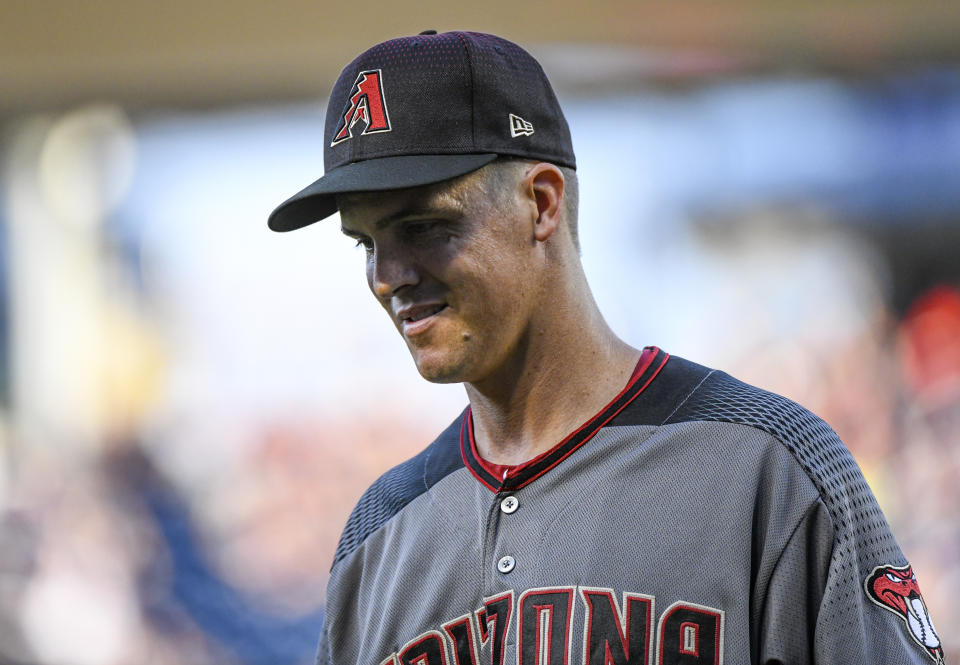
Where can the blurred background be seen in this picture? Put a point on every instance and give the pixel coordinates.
(190, 405)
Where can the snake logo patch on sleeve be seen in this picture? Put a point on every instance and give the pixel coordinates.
(895, 588)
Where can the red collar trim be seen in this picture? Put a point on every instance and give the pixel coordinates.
(502, 477)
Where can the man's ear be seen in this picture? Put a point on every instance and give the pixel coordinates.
(544, 183)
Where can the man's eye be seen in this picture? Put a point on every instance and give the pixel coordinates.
(421, 228)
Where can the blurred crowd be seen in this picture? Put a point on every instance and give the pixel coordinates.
(107, 558)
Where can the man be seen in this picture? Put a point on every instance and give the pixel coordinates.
(596, 503)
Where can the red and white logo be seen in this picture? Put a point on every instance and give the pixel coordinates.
(896, 589)
(367, 104)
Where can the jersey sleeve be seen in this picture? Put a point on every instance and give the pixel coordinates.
(817, 610)
(876, 630)
(841, 590)
(791, 602)
(323, 648)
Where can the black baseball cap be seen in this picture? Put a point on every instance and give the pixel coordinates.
(419, 110)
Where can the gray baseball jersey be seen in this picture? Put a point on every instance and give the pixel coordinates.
(695, 519)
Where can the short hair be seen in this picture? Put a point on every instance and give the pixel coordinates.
(500, 174)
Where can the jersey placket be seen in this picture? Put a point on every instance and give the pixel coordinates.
(509, 561)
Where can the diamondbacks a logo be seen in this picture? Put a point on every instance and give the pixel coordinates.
(519, 126)
(896, 589)
(365, 103)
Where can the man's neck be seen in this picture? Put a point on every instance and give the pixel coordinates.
(566, 374)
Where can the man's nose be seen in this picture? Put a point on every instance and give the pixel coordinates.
(390, 271)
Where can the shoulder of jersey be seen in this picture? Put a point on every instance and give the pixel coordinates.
(719, 397)
(396, 488)
(686, 392)
(860, 529)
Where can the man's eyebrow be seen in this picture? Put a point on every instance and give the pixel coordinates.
(423, 210)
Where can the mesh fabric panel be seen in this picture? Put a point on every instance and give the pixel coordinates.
(398, 487)
(862, 537)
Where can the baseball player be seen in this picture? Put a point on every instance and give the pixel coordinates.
(595, 504)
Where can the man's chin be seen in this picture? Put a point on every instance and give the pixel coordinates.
(439, 370)
(439, 375)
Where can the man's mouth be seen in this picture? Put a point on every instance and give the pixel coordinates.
(419, 313)
(417, 318)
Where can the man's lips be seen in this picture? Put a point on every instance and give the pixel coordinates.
(416, 318)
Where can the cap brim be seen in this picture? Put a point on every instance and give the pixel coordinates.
(318, 200)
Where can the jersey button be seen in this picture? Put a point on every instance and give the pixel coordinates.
(509, 505)
(506, 564)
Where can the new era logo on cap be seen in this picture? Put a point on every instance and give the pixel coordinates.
(366, 103)
(519, 126)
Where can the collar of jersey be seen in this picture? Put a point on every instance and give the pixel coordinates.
(500, 478)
